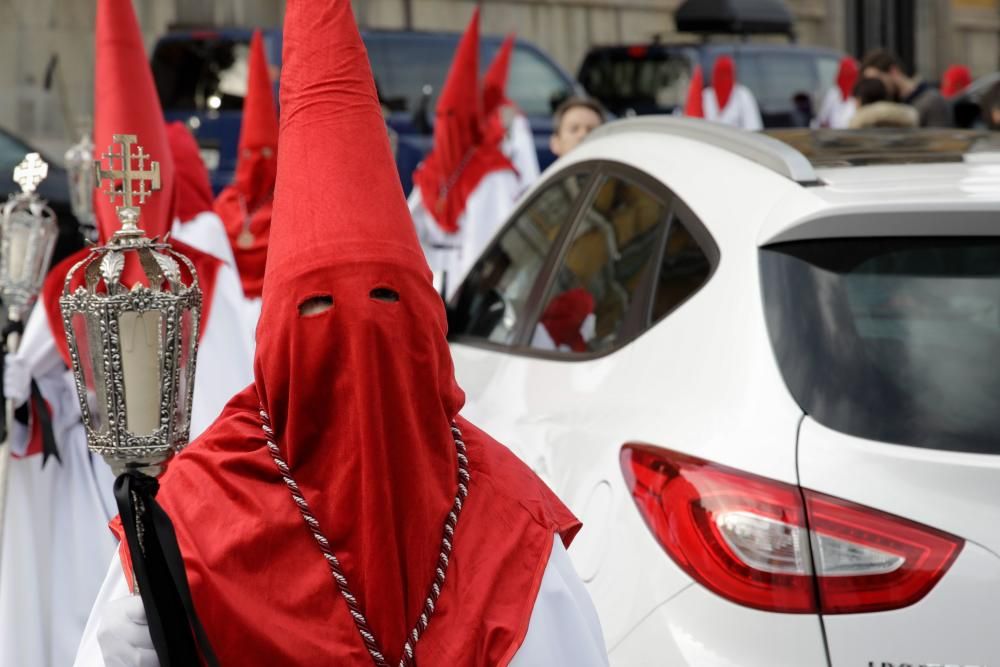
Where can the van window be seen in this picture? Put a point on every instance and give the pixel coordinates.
(201, 74)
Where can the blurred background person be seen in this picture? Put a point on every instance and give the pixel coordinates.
(990, 105)
(875, 109)
(729, 102)
(839, 103)
(573, 120)
(885, 65)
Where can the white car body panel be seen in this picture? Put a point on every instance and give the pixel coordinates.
(704, 381)
(700, 629)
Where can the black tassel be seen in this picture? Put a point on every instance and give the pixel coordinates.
(159, 573)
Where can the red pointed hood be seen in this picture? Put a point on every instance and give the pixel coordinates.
(723, 80)
(366, 389)
(460, 157)
(192, 188)
(245, 206)
(693, 106)
(257, 164)
(125, 102)
(495, 79)
(955, 79)
(847, 77)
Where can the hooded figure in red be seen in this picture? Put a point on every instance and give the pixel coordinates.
(847, 77)
(55, 544)
(195, 223)
(506, 125)
(955, 80)
(192, 191)
(729, 102)
(245, 206)
(461, 157)
(354, 375)
(466, 186)
(839, 106)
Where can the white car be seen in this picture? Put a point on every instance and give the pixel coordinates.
(765, 373)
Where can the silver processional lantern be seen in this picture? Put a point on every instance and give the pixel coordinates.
(131, 310)
(28, 234)
(80, 170)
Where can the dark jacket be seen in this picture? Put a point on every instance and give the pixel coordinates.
(930, 105)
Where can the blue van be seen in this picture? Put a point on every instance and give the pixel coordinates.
(201, 79)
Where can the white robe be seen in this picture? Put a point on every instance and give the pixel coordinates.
(451, 256)
(55, 541)
(563, 631)
(207, 233)
(519, 147)
(740, 111)
(835, 112)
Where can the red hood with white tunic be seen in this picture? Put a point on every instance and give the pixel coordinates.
(362, 397)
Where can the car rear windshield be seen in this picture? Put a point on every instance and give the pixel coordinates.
(201, 74)
(642, 80)
(895, 340)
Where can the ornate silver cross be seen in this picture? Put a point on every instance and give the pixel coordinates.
(122, 181)
(32, 171)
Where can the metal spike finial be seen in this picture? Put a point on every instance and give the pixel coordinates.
(32, 171)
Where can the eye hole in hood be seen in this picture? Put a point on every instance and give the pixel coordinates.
(384, 294)
(315, 305)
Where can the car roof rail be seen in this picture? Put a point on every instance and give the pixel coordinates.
(766, 151)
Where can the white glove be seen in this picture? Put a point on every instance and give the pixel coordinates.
(16, 380)
(123, 634)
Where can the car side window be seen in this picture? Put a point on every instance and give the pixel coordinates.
(534, 84)
(685, 267)
(493, 299)
(605, 273)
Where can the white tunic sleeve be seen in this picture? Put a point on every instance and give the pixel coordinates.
(206, 232)
(114, 588)
(225, 353)
(564, 630)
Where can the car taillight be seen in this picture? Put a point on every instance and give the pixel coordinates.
(773, 546)
(637, 52)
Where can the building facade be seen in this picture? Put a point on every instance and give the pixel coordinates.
(47, 45)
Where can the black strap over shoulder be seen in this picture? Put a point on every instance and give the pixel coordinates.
(159, 573)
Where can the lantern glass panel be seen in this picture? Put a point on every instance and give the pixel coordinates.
(87, 334)
(18, 246)
(185, 353)
(140, 335)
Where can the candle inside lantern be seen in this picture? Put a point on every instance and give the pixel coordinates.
(140, 347)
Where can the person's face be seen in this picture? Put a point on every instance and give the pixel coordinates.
(576, 124)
